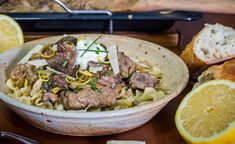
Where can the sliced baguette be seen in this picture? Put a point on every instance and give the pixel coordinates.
(213, 44)
(223, 71)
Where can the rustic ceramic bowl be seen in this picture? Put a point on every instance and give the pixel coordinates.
(78, 123)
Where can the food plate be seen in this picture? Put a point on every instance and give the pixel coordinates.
(80, 123)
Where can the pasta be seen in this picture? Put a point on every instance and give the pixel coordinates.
(56, 76)
(150, 94)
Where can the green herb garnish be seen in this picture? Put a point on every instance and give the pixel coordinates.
(77, 90)
(96, 51)
(109, 73)
(91, 45)
(49, 83)
(93, 85)
(64, 63)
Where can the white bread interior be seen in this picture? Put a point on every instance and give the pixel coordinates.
(215, 43)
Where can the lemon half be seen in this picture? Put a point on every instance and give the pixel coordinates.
(11, 35)
(207, 114)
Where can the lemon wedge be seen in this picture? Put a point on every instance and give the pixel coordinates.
(11, 35)
(207, 114)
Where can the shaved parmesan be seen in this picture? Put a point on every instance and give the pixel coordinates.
(57, 72)
(95, 69)
(138, 62)
(113, 59)
(38, 63)
(36, 49)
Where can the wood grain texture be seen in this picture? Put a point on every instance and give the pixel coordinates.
(215, 6)
(166, 38)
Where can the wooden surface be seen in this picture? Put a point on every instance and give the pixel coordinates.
(160, 130)
(167, 38)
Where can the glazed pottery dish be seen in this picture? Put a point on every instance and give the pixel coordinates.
(89, 84)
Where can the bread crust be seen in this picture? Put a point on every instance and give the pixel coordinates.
(224, 71)
(190, 58)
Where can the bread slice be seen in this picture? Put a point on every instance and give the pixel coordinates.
(224, 71)
(213, 44)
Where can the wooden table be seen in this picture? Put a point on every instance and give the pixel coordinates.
(160, 130)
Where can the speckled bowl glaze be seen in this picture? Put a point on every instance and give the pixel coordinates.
(78, 123)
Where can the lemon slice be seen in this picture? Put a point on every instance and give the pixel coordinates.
(11, 35)
(207, 114)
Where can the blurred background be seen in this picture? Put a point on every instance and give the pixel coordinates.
(177, 19)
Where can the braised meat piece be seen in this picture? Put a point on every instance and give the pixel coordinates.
(117, 90)
(60, 63)
(48, 96)
(18, 71)
(65, 58)
(66, 44)
(47, 87)
(126, 65)
(109, 80)
(88, 98)
(142, 80)
(22, 71)
(59, 81)
(106, 77)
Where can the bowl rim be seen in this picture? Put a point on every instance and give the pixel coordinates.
(103, 114)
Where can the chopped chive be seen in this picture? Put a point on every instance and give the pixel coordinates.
(77, 90)
(93, 84)
(65, 63)
(94, 50)
(98, 49)
(91, 45)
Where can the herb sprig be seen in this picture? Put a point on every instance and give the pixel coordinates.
(77, 90)
(91, 45)
(96, 51)
(93, 85)
(64, 63)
